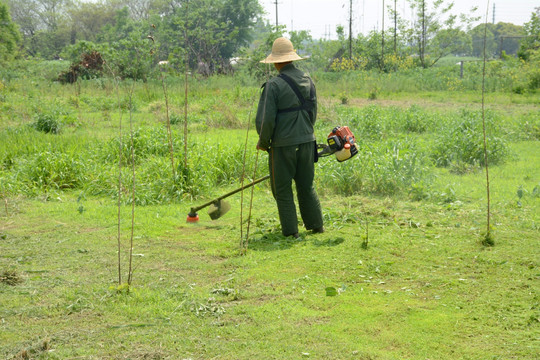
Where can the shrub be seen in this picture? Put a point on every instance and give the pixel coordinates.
(89, 66)
(461, 141)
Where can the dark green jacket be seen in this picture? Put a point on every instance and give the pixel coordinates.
(289, 128)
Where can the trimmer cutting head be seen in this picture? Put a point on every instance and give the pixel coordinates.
(218, 209)
(192, 217)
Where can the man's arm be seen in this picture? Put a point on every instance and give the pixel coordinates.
(314, 105)
(266, 116)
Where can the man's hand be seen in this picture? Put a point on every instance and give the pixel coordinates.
(259, 147)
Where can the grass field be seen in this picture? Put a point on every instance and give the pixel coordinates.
(400, 273)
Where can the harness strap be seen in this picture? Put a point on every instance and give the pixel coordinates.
(304, 104)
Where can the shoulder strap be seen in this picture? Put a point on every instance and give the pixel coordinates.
(304, 104)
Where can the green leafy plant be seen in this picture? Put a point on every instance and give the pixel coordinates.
(460, 141)
(47, 122)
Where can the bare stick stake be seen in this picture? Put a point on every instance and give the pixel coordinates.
(488, 239)
(186, 90)
(242, 183)
(117, 86)
(130, 271)
(246, 242)
(169, 134)
(186, 110)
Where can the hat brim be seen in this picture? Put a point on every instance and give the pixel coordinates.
(274, 59)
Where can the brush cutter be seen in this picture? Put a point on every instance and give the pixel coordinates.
(341, 142)
(218, 206)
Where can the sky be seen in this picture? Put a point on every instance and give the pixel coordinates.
(321, 17)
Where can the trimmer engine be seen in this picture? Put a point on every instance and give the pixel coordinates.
(341, 142)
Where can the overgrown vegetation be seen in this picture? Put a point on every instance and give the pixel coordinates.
(403, 270)
(399, 148)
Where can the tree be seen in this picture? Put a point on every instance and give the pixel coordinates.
(88, 19)
(212, 30)
(138, 9)
(532, 30)
(25, 14)
(431, 18)
(450, 41)
(508, 37)
(300, 39)
(477, 36)
(9, 35)
(44, 25)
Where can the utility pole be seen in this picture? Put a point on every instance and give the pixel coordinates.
(363, 14)
(350, 29)
(423, 42)
(493, 13)
(395, 27)
(382, 38)
(292, 16)
(276, 2)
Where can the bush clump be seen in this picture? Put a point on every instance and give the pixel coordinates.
(380, 169)
(51, 118)
(47, 123)
(460, 140)
(52, 170)
(90, 66)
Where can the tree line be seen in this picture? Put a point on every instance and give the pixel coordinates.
(209, 33)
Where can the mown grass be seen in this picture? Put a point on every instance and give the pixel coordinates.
(402, 252)
(425, 287)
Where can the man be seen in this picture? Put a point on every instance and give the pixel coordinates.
(285, 117)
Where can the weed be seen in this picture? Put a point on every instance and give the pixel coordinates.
(51, 118)
(529, 127)
(175, 119)
(488, 240)
(372, 93)
(536, 191)
(146, 143)
(52, 170)
(419, 192)
(48, 123)
(448, 196)
(364, 244)
(416, 120)
(344, 98)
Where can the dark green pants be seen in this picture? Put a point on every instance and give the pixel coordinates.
(289, 163)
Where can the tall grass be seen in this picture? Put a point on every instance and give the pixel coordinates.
(399, 147)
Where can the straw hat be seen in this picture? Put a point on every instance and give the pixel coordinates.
(282, 51)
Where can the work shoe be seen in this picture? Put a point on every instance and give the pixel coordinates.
(318, 230)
